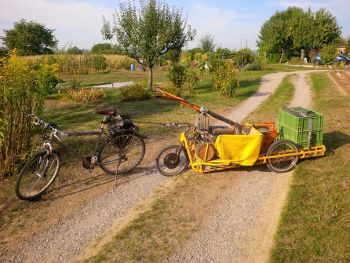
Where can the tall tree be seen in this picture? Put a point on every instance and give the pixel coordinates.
(325, 29)
(294, 29)
(276, 33)
(207, 43)
(29, 38)
(149, 29)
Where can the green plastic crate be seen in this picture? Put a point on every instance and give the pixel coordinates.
(293, 124)
(301, 138)
(289, 118)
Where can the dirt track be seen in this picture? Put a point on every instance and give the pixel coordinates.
(236, 229)
(242, 226)
(342, 81)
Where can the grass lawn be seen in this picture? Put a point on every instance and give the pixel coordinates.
(315, 223)
(70, 115)
(116, 76)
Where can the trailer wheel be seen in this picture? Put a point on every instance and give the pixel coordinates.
(282, 164)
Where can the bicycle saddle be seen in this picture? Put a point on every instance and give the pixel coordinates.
(106, 111)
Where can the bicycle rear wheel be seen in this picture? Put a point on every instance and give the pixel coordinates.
(37, 175)
(285, 163)
(121, 154)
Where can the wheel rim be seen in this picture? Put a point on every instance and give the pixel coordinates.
(169, 163)
(38, 175)
(123, 154)
(283, 163)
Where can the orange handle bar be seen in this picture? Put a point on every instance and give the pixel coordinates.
(182, 101)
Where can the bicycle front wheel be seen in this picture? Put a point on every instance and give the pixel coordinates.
(37, 175)
(122, 153)
(172, 160)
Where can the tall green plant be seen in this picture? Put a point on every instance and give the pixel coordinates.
(22, 91)
(177, 77)
(225, 79)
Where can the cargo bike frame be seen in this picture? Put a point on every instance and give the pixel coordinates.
(215, 148)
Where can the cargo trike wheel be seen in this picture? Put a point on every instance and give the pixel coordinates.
(283, 163)
(172, 160)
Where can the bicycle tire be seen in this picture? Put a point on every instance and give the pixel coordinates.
(26, 174)
(282, 164)
(167, 162)
(120, 150)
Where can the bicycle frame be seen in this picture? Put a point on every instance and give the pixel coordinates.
(48, 143)
(56, 134)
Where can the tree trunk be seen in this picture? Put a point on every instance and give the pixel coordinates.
(150, 81)
(282, 55)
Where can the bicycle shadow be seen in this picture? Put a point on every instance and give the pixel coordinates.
(73, 187)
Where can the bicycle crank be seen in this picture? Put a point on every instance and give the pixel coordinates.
(89, 162)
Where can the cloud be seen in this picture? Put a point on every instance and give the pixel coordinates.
(75, 22)
(227, 26)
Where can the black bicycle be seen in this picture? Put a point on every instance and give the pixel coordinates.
(119, 148)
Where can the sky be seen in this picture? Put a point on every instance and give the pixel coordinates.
(233, 24)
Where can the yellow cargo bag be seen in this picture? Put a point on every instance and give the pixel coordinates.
(241, 149)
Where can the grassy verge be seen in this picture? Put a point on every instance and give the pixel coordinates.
(174, 215)
(269, 108)
(315, 222)
(287, 67)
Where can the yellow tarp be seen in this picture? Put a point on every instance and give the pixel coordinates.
(241, 149)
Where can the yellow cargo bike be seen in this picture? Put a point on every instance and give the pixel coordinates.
(211, 148)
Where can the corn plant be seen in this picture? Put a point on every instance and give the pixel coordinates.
(23, 86)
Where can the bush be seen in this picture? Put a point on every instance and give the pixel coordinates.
(23, 86)
(273, 58)
(242, 57)
(177, 77)
(85, 94)
(295, 61)
(192, 78)
(47, 79)
(225, 79)
(255, 65)
(134, 92)
(328, 54)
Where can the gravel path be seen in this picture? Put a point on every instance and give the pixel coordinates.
(114, 85)
(67, 238)
(246, 209)
(242, 226)
(302, 95)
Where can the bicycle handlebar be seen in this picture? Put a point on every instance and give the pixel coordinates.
(40, 122)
